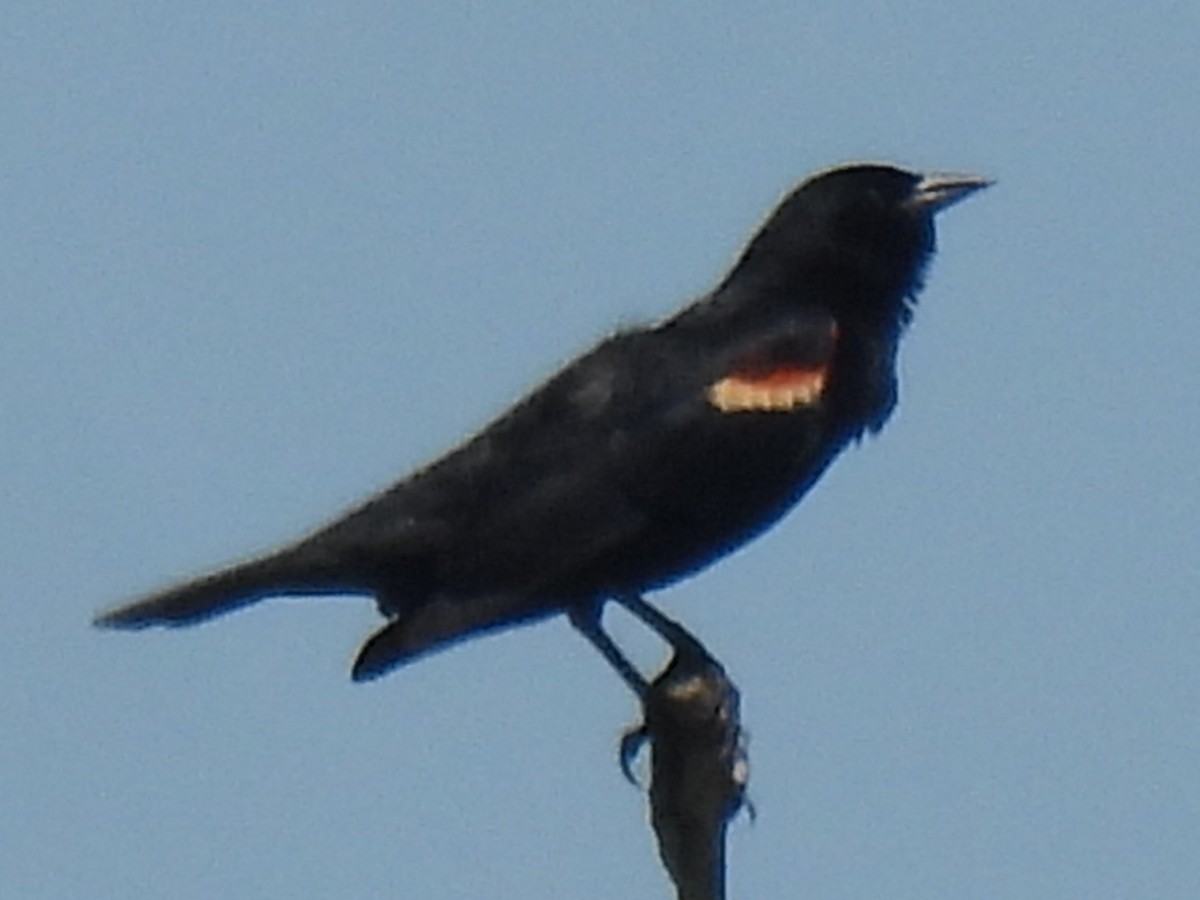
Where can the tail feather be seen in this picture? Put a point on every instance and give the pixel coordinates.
(223, 591)
(438, 624)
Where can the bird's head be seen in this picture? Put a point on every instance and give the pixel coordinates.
(853, 235)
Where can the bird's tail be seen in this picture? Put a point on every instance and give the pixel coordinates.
(288, 572)
(419, 624)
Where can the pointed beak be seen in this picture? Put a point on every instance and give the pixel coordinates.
(933, 193)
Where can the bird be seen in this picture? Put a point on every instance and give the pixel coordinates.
(647, 458)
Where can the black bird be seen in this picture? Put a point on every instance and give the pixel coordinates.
(655, 453)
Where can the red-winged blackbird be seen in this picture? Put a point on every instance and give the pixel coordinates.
(649, 457)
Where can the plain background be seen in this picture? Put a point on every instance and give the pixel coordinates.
(259, 259)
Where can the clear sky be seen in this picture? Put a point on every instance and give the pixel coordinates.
(259, 259)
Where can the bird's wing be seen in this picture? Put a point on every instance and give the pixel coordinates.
(559, 481)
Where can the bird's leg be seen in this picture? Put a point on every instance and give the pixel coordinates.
(586, 620)
(682, 641)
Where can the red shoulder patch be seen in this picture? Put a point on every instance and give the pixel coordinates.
(779, 390)
(778, 378)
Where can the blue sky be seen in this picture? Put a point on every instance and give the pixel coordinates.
(258, 260)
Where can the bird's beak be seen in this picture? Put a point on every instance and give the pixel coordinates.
(933, 193)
